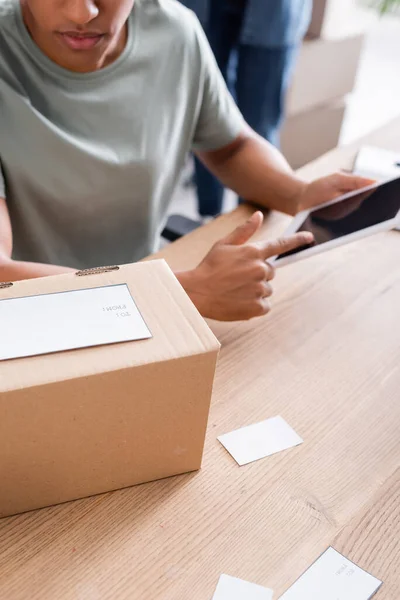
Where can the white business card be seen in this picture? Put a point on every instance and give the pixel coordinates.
(68, 320)
(377, 163)
(232, 588)
(333, 577)
(260, 440)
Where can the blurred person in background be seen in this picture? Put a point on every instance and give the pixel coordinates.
(255, 43)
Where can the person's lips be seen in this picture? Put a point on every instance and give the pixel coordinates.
(80, 41)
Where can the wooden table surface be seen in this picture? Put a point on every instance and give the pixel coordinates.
(327, 359)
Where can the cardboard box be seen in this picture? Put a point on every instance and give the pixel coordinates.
(80, 422)
(308, 135)
(339, 18)
(325, 70)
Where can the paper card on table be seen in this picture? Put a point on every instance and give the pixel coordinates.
(333, 577)
(377, 163)
(260, 440)
(231, 588)
(35, 325)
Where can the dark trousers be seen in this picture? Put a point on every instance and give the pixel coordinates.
(257, 77)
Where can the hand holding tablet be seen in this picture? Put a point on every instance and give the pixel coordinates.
(348, 218)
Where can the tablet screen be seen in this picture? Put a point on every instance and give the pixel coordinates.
(360, 211)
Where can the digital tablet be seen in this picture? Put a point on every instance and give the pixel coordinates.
(351, 217)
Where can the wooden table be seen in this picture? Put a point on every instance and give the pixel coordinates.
(326, 359)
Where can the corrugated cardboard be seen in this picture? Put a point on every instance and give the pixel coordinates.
(339, 18)
(308, 135)
(325, 70)
(82, 422)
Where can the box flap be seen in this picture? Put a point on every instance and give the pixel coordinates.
(176, 326)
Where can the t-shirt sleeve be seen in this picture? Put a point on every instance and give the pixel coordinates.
(219, 120)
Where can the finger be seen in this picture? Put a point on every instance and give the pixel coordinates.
(264, 271)
(270, 272)
(282, 245)
(249, 310)
(262, 289)
(348, 183)
(243, 233)
(268, 291)
(262, 308)
(261, 271)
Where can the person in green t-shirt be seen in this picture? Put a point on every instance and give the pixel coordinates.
(101, 100)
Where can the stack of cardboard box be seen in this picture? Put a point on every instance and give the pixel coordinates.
(325, 75)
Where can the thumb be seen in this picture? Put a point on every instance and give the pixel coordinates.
(243, 233)
(350, 183)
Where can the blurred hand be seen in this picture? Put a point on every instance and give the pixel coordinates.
(341, 209)
(232, 283)
(330, 187)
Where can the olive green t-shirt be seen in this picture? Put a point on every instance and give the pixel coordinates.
(89, 162)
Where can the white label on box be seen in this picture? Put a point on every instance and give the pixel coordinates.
(231, 588)
(333, 577)
(48, 323)
(260, 440)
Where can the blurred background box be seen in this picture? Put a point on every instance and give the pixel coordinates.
(325, 70)
(324, 78)
(339, 18)
(309, 134)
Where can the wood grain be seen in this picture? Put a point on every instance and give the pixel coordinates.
(376, 532)
(327, 359)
